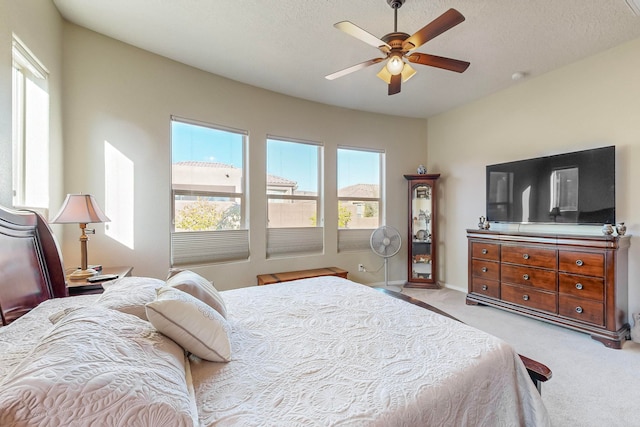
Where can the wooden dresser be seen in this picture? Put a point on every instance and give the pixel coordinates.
(575, 281)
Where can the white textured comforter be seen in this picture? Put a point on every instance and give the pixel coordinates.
(327, 351)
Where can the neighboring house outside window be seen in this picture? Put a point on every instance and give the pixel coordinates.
(30, 117)
(207, 190)
(294, 197)
(360, 202)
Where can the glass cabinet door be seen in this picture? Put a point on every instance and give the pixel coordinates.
(421, 261)
(421, 231)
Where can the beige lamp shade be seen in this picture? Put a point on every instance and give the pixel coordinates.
(80, 209)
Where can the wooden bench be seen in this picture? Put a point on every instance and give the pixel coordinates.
(287, 276)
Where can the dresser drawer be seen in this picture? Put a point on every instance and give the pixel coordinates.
(582, 309)
(529, 297)
(524, 255)
(489, 270)
(490, 288)
(529, 276)
(581, 286)
(488, 251)
(584, 263)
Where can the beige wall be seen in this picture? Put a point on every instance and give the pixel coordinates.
(594, 102)
(124, 95)
(39, 25)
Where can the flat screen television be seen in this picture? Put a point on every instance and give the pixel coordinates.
(574, 188)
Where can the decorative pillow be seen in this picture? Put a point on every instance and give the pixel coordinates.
(130, 294)
(199, 287)
(194, 325)
(99, 367)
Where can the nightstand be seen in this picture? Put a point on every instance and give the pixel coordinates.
(83, 287)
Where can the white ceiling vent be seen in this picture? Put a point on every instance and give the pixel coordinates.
(635, 6)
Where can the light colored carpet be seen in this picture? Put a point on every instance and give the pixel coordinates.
(592, 385)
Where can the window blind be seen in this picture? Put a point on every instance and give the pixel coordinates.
(202, 247)
(292, 241)
(354, 240)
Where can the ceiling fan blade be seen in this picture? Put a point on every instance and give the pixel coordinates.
(394, 86)
(439, 62)
(357, 32)
(444, 22)
(353, 68)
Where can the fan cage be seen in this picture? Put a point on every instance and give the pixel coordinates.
(385, 241)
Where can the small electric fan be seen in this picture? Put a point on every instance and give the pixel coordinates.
(385, 242)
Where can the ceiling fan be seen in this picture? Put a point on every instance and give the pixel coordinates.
(398, 46)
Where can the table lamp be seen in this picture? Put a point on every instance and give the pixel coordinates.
(81, 209)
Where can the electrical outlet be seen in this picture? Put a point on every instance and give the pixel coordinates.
(361, 267)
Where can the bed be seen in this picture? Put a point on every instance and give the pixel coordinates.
(319, 351)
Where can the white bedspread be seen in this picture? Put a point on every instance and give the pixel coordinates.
(327, 351)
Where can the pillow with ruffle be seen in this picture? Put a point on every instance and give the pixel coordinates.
(130, 294)
(198, 328)
(199, 287)
(100, 367)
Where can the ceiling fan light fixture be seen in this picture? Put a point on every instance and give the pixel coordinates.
(384, 75)
(407, 72)
(395, 64)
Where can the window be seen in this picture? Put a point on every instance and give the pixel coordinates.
(293, 193)
(207, 190)
(360, 173)
(30, 115)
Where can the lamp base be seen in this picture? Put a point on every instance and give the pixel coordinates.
(82, 274)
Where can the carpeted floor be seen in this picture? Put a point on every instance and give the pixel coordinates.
(592, 385)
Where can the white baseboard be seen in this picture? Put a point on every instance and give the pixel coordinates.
(454, 287)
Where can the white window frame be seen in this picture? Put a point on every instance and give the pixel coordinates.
(357, 239)
(287, 241)
(28, 190)
(206, 247)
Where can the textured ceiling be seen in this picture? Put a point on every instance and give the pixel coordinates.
(289, 46)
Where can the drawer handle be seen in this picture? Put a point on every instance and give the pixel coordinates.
(525, 276)
(485, 269)
(525, 297)
(525, 256)
(579, 286)
(578, 309)
(485, 287)
(579, 263)
(484, 252)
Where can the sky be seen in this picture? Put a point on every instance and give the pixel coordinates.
(293, 161)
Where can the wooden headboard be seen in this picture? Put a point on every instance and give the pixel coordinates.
(31, 269)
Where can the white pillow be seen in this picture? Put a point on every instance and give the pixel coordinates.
(194, 325)
(130, 294)
(199, 287)
(98, 366)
